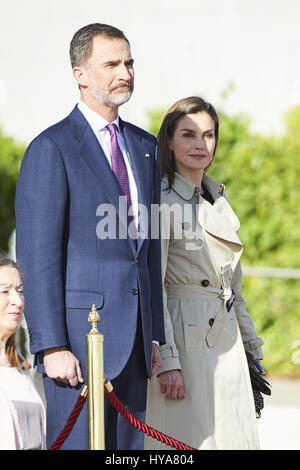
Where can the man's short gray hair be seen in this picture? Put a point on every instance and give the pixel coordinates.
(81, 46)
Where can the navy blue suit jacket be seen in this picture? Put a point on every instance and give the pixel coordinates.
(66, 268)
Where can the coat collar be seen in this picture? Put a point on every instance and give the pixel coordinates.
(217, 219)
(187, 190)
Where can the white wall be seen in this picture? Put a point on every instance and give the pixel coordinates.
(180, 48)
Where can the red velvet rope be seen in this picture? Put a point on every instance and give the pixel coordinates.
(116, 403)
(140, 426)
(69, 424)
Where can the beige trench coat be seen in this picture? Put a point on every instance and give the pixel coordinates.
(200, 267)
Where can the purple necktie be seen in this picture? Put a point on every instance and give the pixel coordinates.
(118, 165)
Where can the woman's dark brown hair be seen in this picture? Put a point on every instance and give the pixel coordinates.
(190, 105)
(10, 347)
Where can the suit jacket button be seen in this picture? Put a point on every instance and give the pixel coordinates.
(211, 321)
(205, 283)
(134, 291)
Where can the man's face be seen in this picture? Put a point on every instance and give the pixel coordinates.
(109, 71)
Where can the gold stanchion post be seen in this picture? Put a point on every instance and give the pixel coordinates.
(95, 375)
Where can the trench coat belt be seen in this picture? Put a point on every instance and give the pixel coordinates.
(194, 291)
(188, 291)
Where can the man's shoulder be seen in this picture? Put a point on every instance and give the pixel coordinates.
(57, 129)
(138, 130)
(55, 132)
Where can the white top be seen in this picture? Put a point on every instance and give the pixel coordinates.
(26, 409)
(98, 124)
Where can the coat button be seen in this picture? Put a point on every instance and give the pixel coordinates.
(134, 291)
(205, 283)
(211, 321)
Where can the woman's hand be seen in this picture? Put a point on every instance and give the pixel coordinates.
(171, 384)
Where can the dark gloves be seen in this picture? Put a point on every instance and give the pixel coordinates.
(259, 384)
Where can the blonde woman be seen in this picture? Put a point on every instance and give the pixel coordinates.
(22, 413)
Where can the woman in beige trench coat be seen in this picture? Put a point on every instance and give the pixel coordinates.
(202, 394)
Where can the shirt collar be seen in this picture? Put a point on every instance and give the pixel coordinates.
(187, 190)
(97, 122)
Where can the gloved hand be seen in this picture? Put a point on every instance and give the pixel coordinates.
(259, 384)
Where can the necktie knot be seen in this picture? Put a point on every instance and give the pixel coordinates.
(112, 129)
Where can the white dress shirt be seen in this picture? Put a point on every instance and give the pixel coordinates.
(98, 124)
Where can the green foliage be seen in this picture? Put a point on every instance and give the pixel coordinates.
(155, 119)
(11, 155)
(264, 190)
(274, 307)
(262, 179)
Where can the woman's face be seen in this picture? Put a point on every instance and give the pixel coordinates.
(193, 142)
(11, 300)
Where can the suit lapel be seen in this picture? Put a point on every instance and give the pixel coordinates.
(93, 156)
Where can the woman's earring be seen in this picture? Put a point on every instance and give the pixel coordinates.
(171, 154)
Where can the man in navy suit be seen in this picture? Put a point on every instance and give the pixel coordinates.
(68, 177)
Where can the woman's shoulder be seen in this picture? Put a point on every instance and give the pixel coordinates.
(164, 183)
(165, 190)
(168, 196)
(215, 188)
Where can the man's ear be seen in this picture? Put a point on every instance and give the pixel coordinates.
(80, 75)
